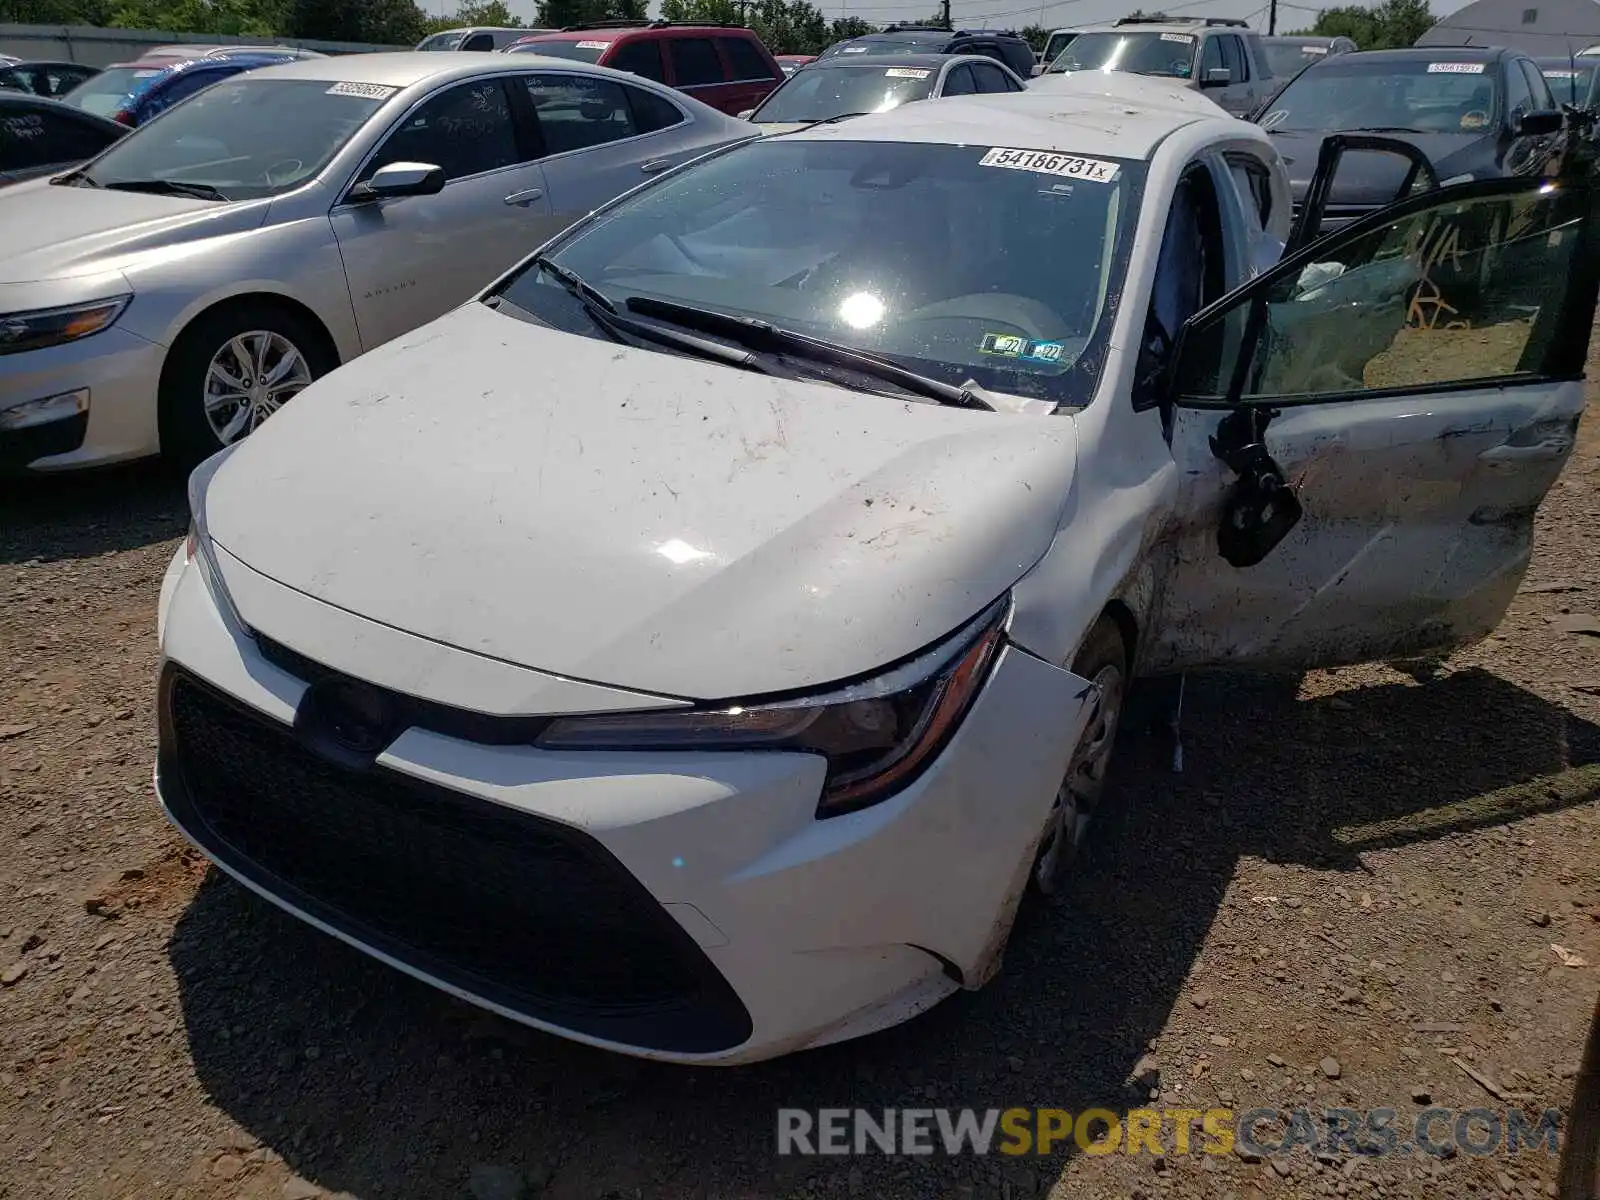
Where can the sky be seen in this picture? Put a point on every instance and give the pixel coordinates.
(1008, 14)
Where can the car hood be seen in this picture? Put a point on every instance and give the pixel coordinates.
(54, 232)
(638, 519)
(1368, 178)
(769, 128)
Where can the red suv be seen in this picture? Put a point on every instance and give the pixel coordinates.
(725, 66)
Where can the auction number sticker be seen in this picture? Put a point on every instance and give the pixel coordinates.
(854, 50)
(593, 45)
(1184, 38)
(367, 91)
(1456, 68)
(1044, 162)
(907, 73)
(1313, 51)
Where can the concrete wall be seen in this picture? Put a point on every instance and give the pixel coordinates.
(101, 47)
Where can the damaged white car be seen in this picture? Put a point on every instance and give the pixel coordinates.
(698, 644)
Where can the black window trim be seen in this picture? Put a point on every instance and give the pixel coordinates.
(1579, 303)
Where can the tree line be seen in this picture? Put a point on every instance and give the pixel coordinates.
(786, 26)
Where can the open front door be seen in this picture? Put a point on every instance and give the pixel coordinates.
(1366, 431)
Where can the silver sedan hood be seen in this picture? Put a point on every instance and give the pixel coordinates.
(54, 231)
(632, 518)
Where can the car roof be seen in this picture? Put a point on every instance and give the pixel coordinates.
(1192, 28)
(612, 32)
(1085, 120)
(1425, 54)
(934, 61)
(398, 69)
(9, 99)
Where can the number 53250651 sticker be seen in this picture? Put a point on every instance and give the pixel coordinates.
(1045, 162)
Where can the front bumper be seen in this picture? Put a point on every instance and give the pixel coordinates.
(682, 906)
(122, 374)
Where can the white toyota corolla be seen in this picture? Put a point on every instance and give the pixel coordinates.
(698, 644)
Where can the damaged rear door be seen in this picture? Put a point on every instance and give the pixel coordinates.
(1366, 431)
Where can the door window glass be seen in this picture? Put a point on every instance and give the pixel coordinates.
(695, 62)
(640, 57)
(479, 41)
(988, 78)
(181, 88)
(1461, 292)
(466, 130)
(1519, 99)
(1233, 58)
(744, 60)
(31, 138)
(1211, 57)
(652, 112)
(1537, 85)
(960, 82)
(579, 111)
(1255, 186)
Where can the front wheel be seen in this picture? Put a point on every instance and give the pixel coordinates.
(230, 371)
(1103, 661)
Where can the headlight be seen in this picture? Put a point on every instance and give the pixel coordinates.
(877, 735)
(198, 546)
(53, 326)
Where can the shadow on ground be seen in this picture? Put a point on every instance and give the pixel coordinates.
(367, 1082)
(87, 513)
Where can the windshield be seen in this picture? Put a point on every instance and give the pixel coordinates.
(108, 91)
(1419, 95)
(1057, 43)
(448, 40)
(962, 263)
(586, 51)
(1287, 58)
(1569, 80)
(821, 93)
(244, 137)
(1167, 54)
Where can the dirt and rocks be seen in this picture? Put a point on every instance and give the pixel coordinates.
(1369, 888)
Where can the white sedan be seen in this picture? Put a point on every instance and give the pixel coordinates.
(699, 644)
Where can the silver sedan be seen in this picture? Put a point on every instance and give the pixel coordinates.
(172, 293)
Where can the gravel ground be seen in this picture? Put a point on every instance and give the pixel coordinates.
(1348, 856)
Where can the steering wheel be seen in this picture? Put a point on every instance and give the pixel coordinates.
(292, 166)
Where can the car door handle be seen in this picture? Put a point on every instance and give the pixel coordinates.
(654, 165)
(526, 196)
(1545, 451)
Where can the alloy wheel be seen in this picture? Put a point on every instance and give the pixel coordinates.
(249, 379)
(1085, 780)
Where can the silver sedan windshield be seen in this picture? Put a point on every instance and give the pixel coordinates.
(244, 137)
(987, 263)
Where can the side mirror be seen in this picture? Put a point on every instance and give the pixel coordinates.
(747, 114)
(400, 179)
(1038, 69)
(1540, 122)
(1217, 77)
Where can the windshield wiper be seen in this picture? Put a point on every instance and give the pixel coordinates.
(1382, 129)
(760, 335)
(166, 187)
(78, 178)
(621, 328)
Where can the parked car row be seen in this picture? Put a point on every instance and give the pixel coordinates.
(649, 648)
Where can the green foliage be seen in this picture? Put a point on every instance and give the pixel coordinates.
(553, 14)
(1385, 26)
(387, 22)
(849, 27)
(1036, 36)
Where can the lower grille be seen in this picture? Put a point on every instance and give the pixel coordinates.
(523, 912)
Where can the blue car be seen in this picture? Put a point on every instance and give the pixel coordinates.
(136, 92)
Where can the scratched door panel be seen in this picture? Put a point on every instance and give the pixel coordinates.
(1418, 507)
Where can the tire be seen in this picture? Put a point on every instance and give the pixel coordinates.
(197, 417)
(1102, 659)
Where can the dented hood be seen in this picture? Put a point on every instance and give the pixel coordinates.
(638, 519)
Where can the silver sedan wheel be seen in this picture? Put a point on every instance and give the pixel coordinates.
(1080, 791)
(249, 379)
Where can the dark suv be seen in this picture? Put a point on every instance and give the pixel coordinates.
(1002, 45)
(725, 66)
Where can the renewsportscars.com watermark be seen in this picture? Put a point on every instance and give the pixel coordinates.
(1255, 1132)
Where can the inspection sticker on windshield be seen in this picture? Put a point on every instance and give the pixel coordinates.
(1009, 345)
(1045, 163)
(367, 91)
(907, 73)
(593, 45)
(1314, 51)
(1455, 68)
(854, 50)
(1177, 37)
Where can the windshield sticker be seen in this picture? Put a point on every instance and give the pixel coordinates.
(1476, 119)
(367, 91)
(145, 74)
(1563, 74)
(1184, 38)
(907, 73)
(1274, 118)
(854, 50)
(1313, 50)
(1045, 163)
(593, 45)
(1009, 345)
(1456, 68)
